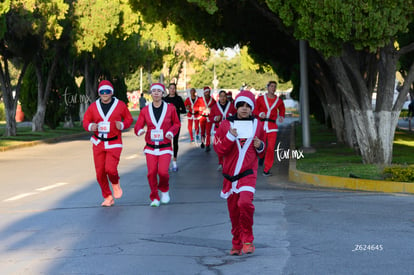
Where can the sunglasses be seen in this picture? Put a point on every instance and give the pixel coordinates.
(105, 92)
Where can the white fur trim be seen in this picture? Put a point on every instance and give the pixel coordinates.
(245, 188)
(158, 152)
(159, 87)
(244, 99)
(169, 133)
(140, 132)
(106, 87)
(230, 136)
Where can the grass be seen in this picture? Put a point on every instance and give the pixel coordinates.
(25, 134)
(335, 159)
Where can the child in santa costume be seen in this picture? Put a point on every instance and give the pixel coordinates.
(205, 103)
(162, 124)
(269, 109)
(193, 114)
(219, 112)
(106, 118)
(239, 140)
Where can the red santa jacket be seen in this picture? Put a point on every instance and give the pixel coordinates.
(192, 109)
(155, 137)
(272, 109)
(217, 111)
(240, 161)
(118, 112)
(204, 107)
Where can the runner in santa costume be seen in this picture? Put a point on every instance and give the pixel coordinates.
(162, 124)
(240, 140)
(106, 118)
(270, 108)
(220, 112)
(193, 114)
(205, 103)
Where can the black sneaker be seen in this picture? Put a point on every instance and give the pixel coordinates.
(208, 149)
(202, 145)
(267, 174)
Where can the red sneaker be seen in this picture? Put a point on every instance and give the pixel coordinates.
(235, 252)
(248, 248)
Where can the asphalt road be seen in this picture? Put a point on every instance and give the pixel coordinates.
(52, 223)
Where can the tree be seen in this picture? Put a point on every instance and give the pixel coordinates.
(356, 42)
(352, 53)
(15, 46)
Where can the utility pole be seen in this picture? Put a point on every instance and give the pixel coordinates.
(304, 98)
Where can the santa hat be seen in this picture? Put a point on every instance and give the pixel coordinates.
(105, 85)
(206, 89)
(159, 86)
(245, 96)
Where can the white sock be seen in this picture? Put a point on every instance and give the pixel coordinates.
(174, 164)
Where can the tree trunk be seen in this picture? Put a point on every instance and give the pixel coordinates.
(374, 130)
(10, 101)
(11, 126)
(43, 89)
(39, 118)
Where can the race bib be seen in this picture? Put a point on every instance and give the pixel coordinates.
(104, 127)
(157, 135)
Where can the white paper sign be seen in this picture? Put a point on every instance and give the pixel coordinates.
(244, 128)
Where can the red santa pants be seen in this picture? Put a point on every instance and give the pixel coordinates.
(106, 166)
(196, 128)
(158, 168)
(270, 150)
(241, 210)
(205, 130)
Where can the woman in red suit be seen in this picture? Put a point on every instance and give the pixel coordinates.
(220, 112)
(162, 124)
(106, 118)
(193, 115)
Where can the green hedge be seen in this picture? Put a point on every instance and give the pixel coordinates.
(2, 112)
(399, 173)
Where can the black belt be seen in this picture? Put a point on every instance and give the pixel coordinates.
(106, 139)
(159, 146)
(268, 119)
(204, 115)
(238, 176)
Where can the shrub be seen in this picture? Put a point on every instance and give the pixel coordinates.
(2, 112)
(399, 173)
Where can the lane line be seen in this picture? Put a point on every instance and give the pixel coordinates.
(20, 196)
(52, 186)
(42, 189)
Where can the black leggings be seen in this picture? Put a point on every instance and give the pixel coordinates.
(175, 143)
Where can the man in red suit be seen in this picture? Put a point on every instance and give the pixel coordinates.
(240, 140)
(193, 114)
(270, 109)
(205, 103)
(106, 118)
(162, 124)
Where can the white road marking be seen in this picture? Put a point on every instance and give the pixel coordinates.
(20, 196)
(51, 186)
(132, 156)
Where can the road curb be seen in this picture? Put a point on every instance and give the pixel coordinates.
(343, 183)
